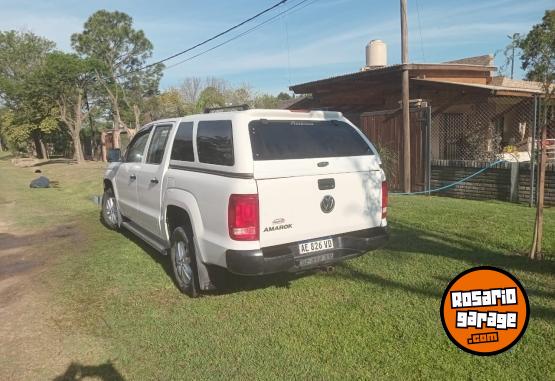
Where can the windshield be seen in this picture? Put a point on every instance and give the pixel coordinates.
(305, 139)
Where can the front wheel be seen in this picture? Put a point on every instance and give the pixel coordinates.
(184, 262)
(110, 211)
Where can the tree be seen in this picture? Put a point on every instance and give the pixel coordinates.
(283, 96)
(62, 80)
(110, 38)
(215, 92)
(265, 101)
(538, 51)
(16, 135)
(170, 104)
(210, 97)
(238, 96)
(538, 59)
(21, 53)
(190, 89)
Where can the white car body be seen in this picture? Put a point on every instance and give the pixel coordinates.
(290, 194)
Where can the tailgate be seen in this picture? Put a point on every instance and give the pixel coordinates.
(311, 198)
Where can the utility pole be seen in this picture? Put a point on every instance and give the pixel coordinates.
(513, 61)
(405, 97)
(513, 39)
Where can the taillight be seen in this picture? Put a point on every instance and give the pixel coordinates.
(384, 199)
(242, 217)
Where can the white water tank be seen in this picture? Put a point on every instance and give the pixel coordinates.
(376, 54)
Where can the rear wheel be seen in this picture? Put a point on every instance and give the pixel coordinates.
(184, 262)
(110, 212)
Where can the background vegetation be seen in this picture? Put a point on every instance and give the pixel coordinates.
(51, 101)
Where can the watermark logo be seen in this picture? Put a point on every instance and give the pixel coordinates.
(485, 310)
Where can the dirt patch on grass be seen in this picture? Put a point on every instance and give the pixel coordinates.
(36, 342)
(22, 253)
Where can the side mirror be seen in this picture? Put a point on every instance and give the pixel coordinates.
(114, 155)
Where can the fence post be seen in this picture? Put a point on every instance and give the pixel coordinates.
(429, 150)
(514, 181)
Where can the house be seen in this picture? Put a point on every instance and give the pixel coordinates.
(462, 114)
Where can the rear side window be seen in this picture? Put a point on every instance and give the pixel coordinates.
(183, 143)
(305, 139)
(215, 142)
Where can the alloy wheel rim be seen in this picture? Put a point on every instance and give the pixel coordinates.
(183, 263)
(111, 210)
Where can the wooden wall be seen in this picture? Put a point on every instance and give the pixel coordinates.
(385, 130)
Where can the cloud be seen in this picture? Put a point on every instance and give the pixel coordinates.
(464, 25)
(58, 26)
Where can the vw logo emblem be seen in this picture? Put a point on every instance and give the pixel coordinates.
(327, 204)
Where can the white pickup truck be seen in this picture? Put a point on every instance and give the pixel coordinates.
(254, 192)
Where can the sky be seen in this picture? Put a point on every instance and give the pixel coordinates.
(322, 39)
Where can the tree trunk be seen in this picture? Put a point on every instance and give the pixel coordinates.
(94, 144)
(77, 149)
(130, 133)
(37, 143)
(137, 115)
(115, 114)
(76, 130)
(117, 122)
(103, 146)
(43, 149)
(116, 138)
(117, 129)
(536, 251)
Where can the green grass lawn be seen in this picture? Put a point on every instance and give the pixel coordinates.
(375, 317)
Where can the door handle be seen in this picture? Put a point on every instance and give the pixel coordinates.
(133, 177)
(154, 180)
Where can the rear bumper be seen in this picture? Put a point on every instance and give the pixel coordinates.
(286, 258)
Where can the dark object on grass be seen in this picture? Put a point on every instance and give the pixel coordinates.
(38, 171)
(40, 182)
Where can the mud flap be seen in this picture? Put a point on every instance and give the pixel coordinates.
(204, 280)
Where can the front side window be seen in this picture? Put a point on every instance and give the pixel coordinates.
(215, 142)
(158, 144)
(183, 143)
(136, 149)
(305, 139)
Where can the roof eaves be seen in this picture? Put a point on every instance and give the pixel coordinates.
(480, 86)
(393, 68)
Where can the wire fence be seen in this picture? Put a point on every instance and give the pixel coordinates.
(467, 136)
(492, 128)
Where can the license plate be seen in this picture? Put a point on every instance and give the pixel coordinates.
(314, 246)
(315, 259)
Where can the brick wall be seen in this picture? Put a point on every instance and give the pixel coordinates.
(493, 184)
(524, 183)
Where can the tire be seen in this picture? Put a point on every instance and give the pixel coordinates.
(110, 213)
(184, 263)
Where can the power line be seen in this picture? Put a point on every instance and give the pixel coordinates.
(209, 39)
(273, 18)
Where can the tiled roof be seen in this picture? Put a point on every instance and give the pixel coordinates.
(485, 60)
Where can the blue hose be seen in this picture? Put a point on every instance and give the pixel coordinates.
(452, 184)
